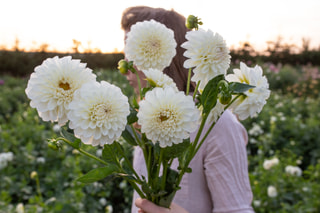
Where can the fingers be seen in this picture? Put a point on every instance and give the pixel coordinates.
(149, 207)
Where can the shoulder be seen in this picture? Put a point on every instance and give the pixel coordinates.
(227, 134)
(229, 127)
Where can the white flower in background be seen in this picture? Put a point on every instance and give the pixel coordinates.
(109, 209)
(41, 160)
(293, 170)
(99, 152)
(150, 44)
(123, 184)
(52, 85)
(158, 79)
(56, 128)
(272, 191)
(103, 201)
(208, 53)
(20, 208)
(167, 116)
(98, 113)
(256, 97)
(255, 130)
(268, 164)
(50, 200)
(257, 203)
(5, 157)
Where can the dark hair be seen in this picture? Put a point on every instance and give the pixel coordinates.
(173, 21)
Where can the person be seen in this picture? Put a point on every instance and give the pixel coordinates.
(219, 179)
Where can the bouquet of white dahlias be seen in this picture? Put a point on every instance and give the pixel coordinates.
(63, 90)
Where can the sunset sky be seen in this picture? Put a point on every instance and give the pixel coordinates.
(96, 23)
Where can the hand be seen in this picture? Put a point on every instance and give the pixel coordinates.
(147, 206)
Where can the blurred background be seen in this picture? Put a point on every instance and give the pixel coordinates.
(281, 36)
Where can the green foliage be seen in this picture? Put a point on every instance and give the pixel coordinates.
(287, 128)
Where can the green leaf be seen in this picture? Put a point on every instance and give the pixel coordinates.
(76, 142)
(97, 174)
(210, 93)
(237, 87)
(132, 117)
(128, 136)
(176, 150)
(111, 154)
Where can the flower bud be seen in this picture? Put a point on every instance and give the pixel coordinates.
(225, 98)
(123, 66)
(193, 22)
(33, 175)
(54, 144)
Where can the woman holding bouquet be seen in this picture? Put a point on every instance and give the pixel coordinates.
(219, 179)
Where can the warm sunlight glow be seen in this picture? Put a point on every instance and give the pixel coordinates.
(95, 25)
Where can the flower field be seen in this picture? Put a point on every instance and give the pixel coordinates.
(283, 151)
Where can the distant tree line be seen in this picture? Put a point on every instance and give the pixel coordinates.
(279, 52)
(18, 62)
(22, 64)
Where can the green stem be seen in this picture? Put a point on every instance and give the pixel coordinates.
(38, 188)
(205, 136)
(193, 149)
(148, 163)
(196, 90)
(84, 152)
(188, 82)
(164, 175)
(137, 189)
(233, 100)
(160, 162)
(133, 184)
(129, 163)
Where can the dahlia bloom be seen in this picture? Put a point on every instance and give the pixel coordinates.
(51, 87)
(293, 170)
(256, 97)
(98, 113)
(272, 191)
(268, 164)
(167, 116)
(158, 79)
(208, 53)
(150, 44)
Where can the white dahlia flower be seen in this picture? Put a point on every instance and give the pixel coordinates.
(208, 53)
(256, 97)
(293, 170)
(167, 116)
(150, 44)
(51, 87)
(272, 191)
(268, 164)
(158, 79)
(98, 113)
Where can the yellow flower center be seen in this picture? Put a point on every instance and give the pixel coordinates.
(167, 118)
(64, 86)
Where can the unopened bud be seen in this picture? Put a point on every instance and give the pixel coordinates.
(123, 66)
(54, 144)
(225, 98)
(33, 175)
(193, 22)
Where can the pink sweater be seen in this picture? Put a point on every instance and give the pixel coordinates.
(219, 180)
